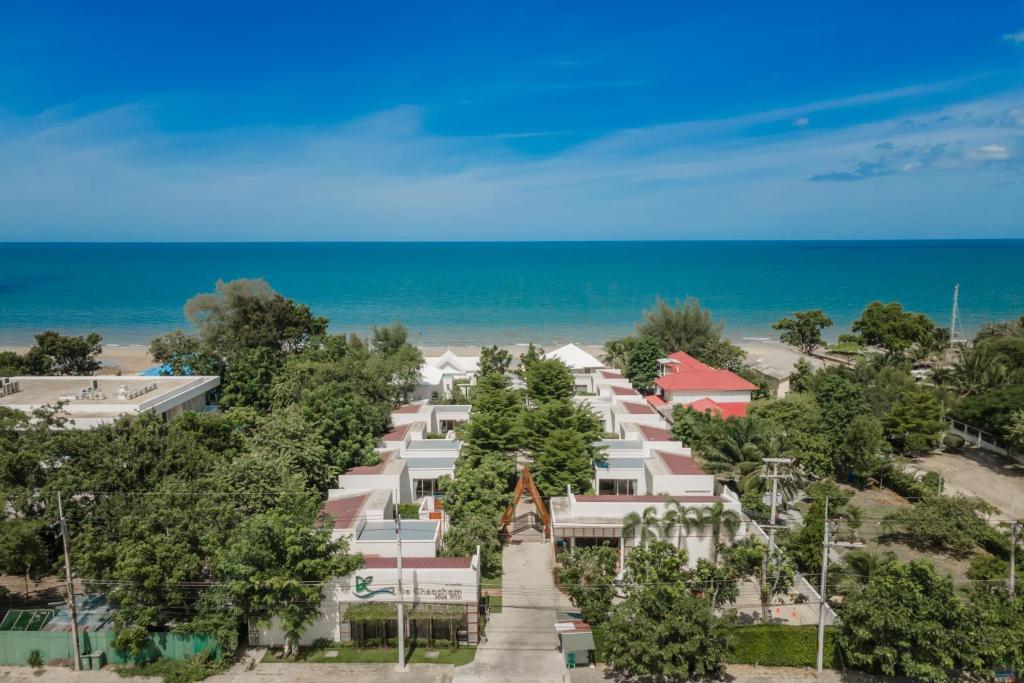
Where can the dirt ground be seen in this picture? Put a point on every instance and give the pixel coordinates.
(998, 481)
(876, 504)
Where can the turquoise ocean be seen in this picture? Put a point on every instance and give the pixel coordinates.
(513, 292)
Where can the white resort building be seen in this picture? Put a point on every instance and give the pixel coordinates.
(91, 400)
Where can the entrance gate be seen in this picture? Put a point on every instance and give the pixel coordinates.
(539, 520)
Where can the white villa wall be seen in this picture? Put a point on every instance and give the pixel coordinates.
(682, 484)
(451, 586)
(685, 397)
(388, 548)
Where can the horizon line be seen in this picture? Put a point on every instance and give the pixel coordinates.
(515, 241)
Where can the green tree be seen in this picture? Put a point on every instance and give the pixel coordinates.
(994, 631)
(482, 488)
(859, 451)
(389, 339)
(548, 379)
(716, 519)
(616, 352)
(692, 428)
(804, 544)
(564, 459)
(526, 359)
(840, 399)
(992, 410)
(661, 629)
(915, 423)
(642, 527)
(797, 419)
(855, 570)
(494, 360)
(1015, 430)
(543, 419)
(248, 314)
(890, 327)
(689, 328)
(183, 354)
(475, 530)
(642, 363)
(588, 576)
(953, 524)
(23, 548)
(800, 380)
(495, 422)
(55, 354)
(907, 621)
(803, 330)
(277, 563)
(248, 378)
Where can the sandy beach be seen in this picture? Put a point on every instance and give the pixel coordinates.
(761, 353)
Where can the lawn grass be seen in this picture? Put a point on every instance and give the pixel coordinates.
(491, 586)
(346, 654)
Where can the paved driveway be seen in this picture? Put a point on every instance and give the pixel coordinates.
(521, 642)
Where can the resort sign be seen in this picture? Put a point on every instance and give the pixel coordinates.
(363, 591)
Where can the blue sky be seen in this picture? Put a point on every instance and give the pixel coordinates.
(528, 120)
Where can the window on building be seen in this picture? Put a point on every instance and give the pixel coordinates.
(617, 487)
(446, 426)
(424, 487)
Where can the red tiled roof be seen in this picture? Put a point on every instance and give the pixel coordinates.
(373, 562)
(646, 499)
(625, 391)
(397, 434)
(656, 400)
(685, 360)
(704, 380)
(385, 458)
(637, 408)
(611, 374)
(654, 433)
(723, 410)
(344, 510)
(680, 464)
(412, 408)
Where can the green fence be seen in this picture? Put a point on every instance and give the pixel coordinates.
(15, 646)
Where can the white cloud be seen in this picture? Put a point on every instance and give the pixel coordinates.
(801, 121)
(1017, 37)
(990, 153)
(114, 175)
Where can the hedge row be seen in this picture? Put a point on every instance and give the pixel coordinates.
(900, 481)
(781, 645)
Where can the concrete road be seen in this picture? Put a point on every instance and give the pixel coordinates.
(521, 643)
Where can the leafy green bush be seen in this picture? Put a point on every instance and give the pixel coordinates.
(953, 442)
(951, 523)
(188, 670)
(898, 480)
(35, 659)
(780, 645)
(409, 510)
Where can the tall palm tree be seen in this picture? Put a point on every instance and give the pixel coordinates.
(677, 518)
(856, 569)
(644, 527)
(978, 370)
(616, 352)
(740, 452)
(718, 519)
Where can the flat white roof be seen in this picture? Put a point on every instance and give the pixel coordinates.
(106, 396)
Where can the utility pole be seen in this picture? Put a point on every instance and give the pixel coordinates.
(1014, 529)
(826, 545)
(774, 476)
(954, 320)
(400, 606)
(63, 526)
